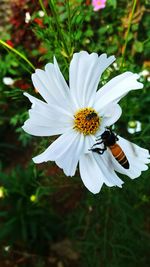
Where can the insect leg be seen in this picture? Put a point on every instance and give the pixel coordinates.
(98, 150)
(98, 143)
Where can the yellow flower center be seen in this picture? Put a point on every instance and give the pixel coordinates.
(86, 121)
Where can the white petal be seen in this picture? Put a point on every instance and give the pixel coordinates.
(90, 173)
(56, 81)
(60, 78)
(32, 127)
(110, 114)
(69, 159)
(66, 151)
(89, 141)
(52, 86)
(110, 177)
(84, 75)
(137, 156)
(50, 110)
(47, 120)
(116, 88)
(41, 87)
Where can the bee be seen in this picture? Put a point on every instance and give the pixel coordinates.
(91, 116)
(109, 139)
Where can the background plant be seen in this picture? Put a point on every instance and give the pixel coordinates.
(46, 218)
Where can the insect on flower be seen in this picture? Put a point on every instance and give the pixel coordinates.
(91, 115)
(79, 113)
(108, 139)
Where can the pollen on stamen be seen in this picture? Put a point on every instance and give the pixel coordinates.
(86, 121)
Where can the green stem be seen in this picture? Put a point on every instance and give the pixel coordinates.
(69, 20)
(147, 40)
(128, 31)
(17, 53)
(43, 7)
(58, 25)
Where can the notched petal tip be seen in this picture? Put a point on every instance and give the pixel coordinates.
(138, 84)
(23, 127)
(26, 94)
(33, 75)
(34, 78)
(94, 191)
(37, 161)
(137, 76)
(55, 60)
(80, 53)
(112, 58)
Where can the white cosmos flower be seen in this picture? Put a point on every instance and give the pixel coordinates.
(66, 110)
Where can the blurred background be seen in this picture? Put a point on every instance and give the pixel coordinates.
(47, 219)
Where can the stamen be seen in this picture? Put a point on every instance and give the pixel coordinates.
(86, 121)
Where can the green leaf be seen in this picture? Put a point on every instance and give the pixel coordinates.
(138, 46)
(112, 3)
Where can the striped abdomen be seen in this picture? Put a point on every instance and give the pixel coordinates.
(119, 155)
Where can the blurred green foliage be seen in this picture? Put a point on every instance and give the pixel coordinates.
(47, 219)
